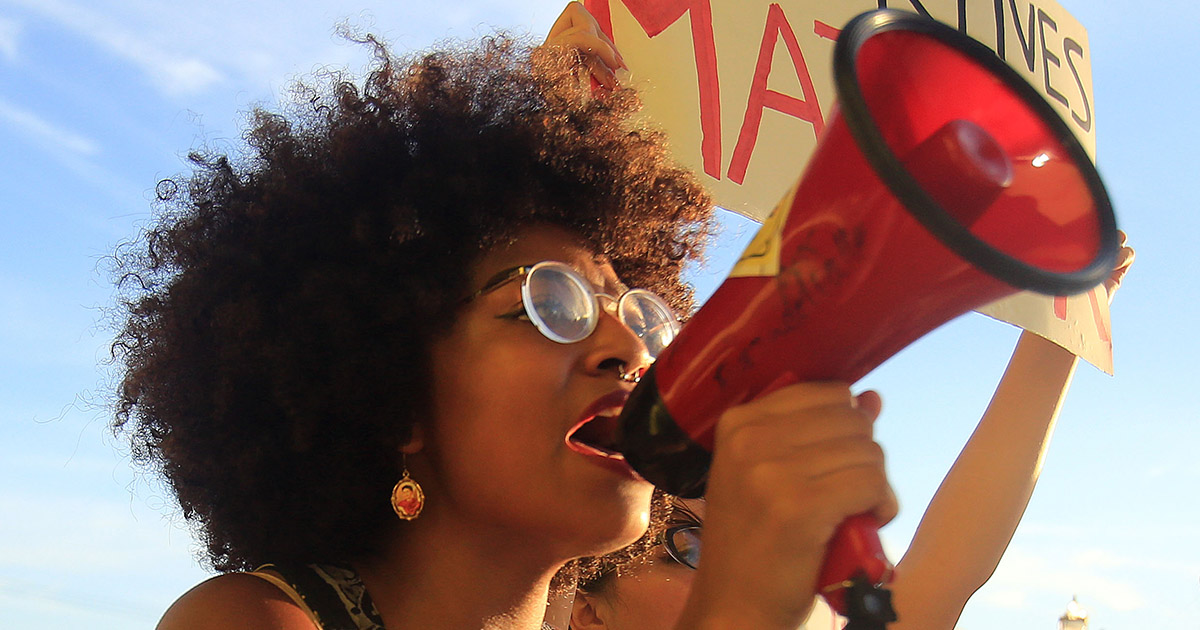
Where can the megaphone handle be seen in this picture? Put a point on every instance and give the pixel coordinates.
(856, 568)
(855, 571)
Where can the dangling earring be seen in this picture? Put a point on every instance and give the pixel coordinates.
(408, 499)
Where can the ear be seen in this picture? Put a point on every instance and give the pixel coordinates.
(416, 440)
(588, 612)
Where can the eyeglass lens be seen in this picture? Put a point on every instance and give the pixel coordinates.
(684, 543)
(646, 315)
(564, 308)
(557, 300)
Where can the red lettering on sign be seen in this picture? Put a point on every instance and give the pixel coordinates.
(1100, 327)
(1060, 307)
(824, 30)
(1060, 311)
(599, 10)
(761, 98)
(654, 16)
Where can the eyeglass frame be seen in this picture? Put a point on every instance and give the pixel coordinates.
(525, 271)
(668, 543)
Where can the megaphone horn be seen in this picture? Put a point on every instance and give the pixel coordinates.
(943, 182)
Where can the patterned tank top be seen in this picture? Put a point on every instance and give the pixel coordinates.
(333, 597)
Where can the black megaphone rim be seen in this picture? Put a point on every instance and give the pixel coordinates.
(919, 203)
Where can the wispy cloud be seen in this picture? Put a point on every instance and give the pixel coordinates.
(9, 32)
(44, 132)
(187, 48)
(174, 73)
(73, 150)
(1023, 574)
(1111, 565)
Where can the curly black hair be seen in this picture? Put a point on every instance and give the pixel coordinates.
(278, 313)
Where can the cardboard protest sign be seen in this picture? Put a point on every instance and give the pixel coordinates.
(1079, 323)
(743, 89)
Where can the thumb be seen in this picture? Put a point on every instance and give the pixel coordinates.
(869, 403)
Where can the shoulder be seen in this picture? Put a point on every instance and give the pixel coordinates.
(235, 601)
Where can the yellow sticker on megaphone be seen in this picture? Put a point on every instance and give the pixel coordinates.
(761, 256)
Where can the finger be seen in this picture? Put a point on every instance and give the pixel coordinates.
(574, 14)
(888, 508)
(859, 490)
(577, 16)
(608, 40)
(823, 488)
(789, 436)
(591, 44)
(837, 458)
(801, 395)
(870, 403)
(602, 73)
(1125, 259)
(792, 417)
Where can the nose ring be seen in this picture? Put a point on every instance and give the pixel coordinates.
(625, 377)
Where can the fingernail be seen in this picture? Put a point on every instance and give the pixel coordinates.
(624, 76)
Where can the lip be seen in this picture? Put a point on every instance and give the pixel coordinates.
(612, 401)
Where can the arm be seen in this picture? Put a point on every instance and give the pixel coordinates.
(975, 512)
(971, 519)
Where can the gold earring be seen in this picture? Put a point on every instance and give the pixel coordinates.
(408, 499)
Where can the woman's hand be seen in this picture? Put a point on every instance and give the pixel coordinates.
(1124, 261)
(788, 468)
(576, 29)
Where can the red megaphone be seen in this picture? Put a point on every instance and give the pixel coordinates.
(942, 183)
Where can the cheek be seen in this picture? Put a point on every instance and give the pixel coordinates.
(496, 417)
(504, 399)
(497, 399)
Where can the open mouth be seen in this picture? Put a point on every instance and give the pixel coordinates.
(596, 436)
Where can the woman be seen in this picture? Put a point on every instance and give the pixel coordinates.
(413, 283)
(958, 544)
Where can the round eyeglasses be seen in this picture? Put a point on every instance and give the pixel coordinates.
(683, 543)
(565, 308)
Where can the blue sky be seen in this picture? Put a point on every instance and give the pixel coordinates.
(100, 99)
